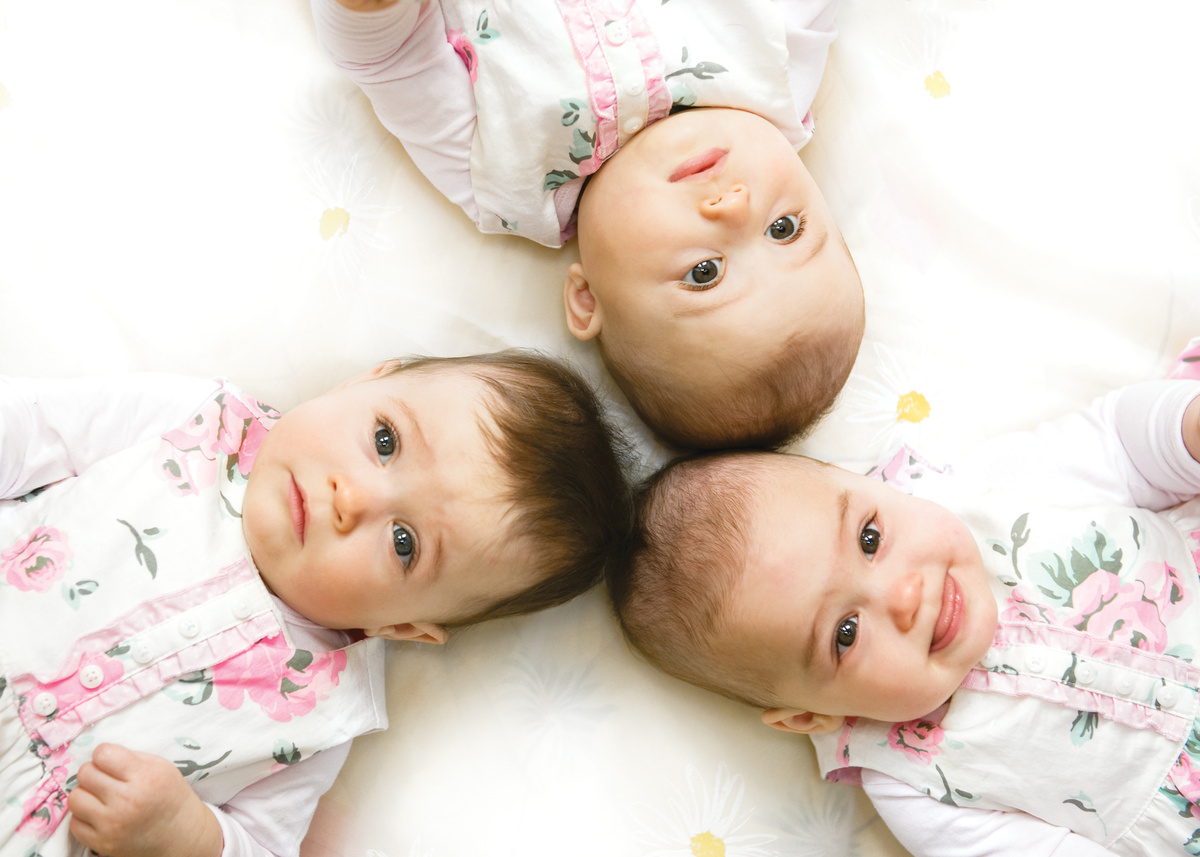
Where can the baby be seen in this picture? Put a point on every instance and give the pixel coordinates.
(192, 622)
(724, 300)
(1002, 659)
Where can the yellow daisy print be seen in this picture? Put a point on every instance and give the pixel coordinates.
(704, 819)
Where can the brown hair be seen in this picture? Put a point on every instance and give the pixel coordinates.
(764, 407)
(566, 463)
(685, 559)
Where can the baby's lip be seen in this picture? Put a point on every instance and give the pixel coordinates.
(299, 512)
(949, 618)
(709, 162)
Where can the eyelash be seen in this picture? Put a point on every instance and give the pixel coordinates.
(870, 529)
(849, 623)
(799, 221)
(404, 543)
(382, 425)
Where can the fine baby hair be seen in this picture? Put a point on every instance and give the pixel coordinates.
(711, 272)
(567, 464)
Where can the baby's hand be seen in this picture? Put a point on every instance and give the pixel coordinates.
(131, 804)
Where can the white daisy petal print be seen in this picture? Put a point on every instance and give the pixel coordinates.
(904, 398)
(702, 821)
(344, 218)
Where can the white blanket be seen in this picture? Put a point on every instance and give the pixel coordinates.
(190, 186)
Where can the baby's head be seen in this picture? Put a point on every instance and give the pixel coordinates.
(724, 300)
(803, 589)
(438, 492)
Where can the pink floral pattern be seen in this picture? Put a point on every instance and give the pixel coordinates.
(36, 562)
(48, 806)
(228, 425)
(918, 739)
(282, 681)
(463, 47)
(1108, 607)
(69, 690)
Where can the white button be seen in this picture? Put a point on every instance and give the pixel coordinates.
(1036, 661)
(241, 608)
(91, 677)
(188, 627)
(1085, 673)
(990, 659)
(632, 126)
(1124, 684)
(1167, 696)
(617, 32)
(142, 652)
(45, 704)
(635, 87)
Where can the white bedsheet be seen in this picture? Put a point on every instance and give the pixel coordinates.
(189, 186)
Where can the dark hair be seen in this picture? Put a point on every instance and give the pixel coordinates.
(566, 463)
(685, 559)
(763, 407)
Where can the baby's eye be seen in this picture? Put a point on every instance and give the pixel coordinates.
(847, 633)
(705, 275)
(869, 539)
(786, 229)
(385, 441)
(405, 544)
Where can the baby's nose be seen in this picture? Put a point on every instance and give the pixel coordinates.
(904, 600)
(731, 202)
(350, 502)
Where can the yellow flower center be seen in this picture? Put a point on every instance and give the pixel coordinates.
(912, 407)
(334, 222)
(706, 845)
(937, 85)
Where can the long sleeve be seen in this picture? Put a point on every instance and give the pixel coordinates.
(1126, 448)
(271, 817)
(810, 31)
(52, 429)
(419, 87)
(929, 828)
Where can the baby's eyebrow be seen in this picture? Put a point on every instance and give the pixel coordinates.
(843, 512)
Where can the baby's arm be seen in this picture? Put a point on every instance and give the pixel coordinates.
(52, 429)
(399, 56)
(129, 803)
(929, 828)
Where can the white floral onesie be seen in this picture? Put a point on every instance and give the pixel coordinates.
(130, 612)
(559, 85)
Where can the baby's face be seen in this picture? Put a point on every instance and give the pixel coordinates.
(859, 599)
(381, 504)
(705, 238)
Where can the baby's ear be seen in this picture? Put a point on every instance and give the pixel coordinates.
(416, 632)
(804, 722)
(584, 315)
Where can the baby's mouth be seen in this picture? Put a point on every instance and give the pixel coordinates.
(950, 617)
(296, 506)
(701, 165)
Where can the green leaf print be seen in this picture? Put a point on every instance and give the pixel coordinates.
(300, 661)
(700, 71)
(286, 753)
(557, 178)
(73, 595)
(1083, 729)
(572, 110)
(143, 554)
(582, 145)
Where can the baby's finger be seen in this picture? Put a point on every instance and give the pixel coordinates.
(92, 783)
(116, 761)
